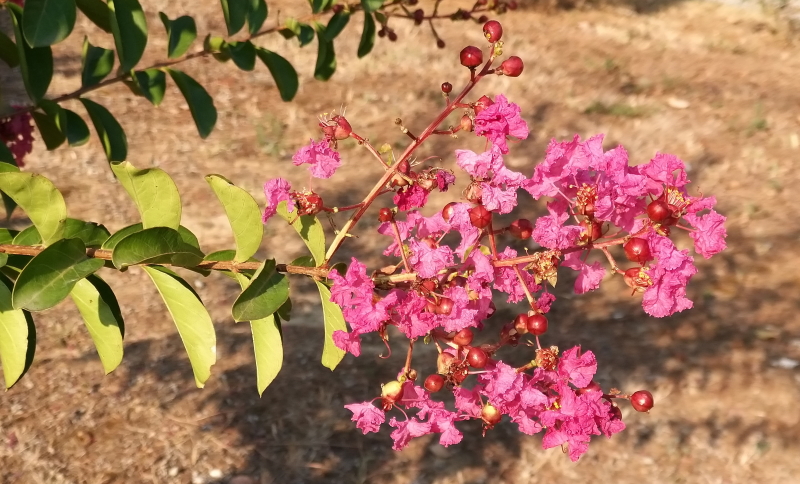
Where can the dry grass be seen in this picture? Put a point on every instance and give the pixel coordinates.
(724, 413)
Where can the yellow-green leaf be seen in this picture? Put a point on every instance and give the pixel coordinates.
(100, 311)
(334, 320)
(17, 338)
(243, 214)
(40, 200)
(310, 230)
(154, 193)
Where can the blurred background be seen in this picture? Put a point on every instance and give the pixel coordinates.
(715, 83)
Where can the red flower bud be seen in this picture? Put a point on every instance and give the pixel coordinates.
(471, 57)
(463, 337)
(466, 123)
(385, 215)
(445, 306)
(448, 211)
(521, 229)
(511, 67)
(482, 103)
(521, 323)
(537, 325)
(480, 217)
(490, 415)
(477, 358)
(637, 250)
(642, 401)
(659, 211)
(447, 88)
(492, 30)
(434, 383)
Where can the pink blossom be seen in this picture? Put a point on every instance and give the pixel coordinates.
(562, 161)
(545, 301)
(669, 277)
(349, 342)
(444, 179)
(16, 132)
(502, 385)
(499, 120)
(404, 227)
(661, 170)
(463, 315)
(468, 401)
(549, 230)
(507, 281)
(576, 369)
(413, 196)
(427, 261)
(709, 234)
(469, 233)
(323, 160)
(407, 430)
(589, 276)
(276, 191)
(410, 317)
(367, 416)
(497, 199)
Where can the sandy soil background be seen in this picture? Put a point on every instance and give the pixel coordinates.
(715, 84)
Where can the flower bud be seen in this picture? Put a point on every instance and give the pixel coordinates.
(537, 324)
(448, 211)
(434, 383)
(463, 337)
(492, 30)
(471, 57)
(482, 103)
(637, 250)
(521, 229)
(490, 415)
(511, 67)
(480, 217)
(642, 401)
(385, 215)
(447, 88)
(477, 358)
(419, 16)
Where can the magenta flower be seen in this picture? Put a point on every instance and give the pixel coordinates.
(661, 170)
(669, 277)
(367, 416)
(412, 197)
(323, 160)
(502, 385)
(575, 368)
(499, 120)
(276, 191)
(506, 280)
(589, 275)
(407, 430)
(468, 401)
(550, 230)
(709, 234)
(428, 261)
(16, 131)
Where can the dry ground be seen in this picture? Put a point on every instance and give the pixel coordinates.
(727, 397)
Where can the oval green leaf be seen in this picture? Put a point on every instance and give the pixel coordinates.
(235, 12)
(367, 35)
(267, 292)
(243, 214)
(243, 54)
(282, 71)
(336, 24)
(191, 318)
(326, 56)
(96, 63)
(76, 130)
(50, 276)
(100, 311)
(17, 338)
(200, 103)
(152, 84)
(181, 32)
(334, 321)
(268, 349)
(47, 22)
(310, 230)
(129, 26)
(40, 200)
(90, 233)
(154, 193)
(48, 129)
(35, 64)
(111, 134)
(8, 51)
(371, 5)
(97, 11)
(256, 15)
(156, 245)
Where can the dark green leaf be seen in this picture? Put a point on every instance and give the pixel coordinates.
(235, 12)
(191, 318)
(154, 193)
(156, 245)
(200, 103)
(111, 134)
(181, 33)
(291, 28)
(256, 15)
(282, 71)
(266, 293)
(47, 22)
(50, 276)
(318, 6)
(77, 131)
(306, 34)
(243, 55)
(367, 36)
(243, 214)
(285, 311)
(129, 25)
(326, 57)
(8, 51)
(310, 230)
(100, 311)
(40, 200)
(152, 84)
(371, 5)
(112, 241)
(268, 348)
(97, 11)
(52, 136)
(6, 157)
(5, 165)
(336, 24)
(96, 62)
(35, 64)
(17, 338)
(334, 320)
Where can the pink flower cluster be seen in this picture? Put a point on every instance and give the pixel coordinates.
(16, 132)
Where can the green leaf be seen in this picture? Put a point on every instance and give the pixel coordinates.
(111, 134)
(243, 55)
(243, 214)
(17, 338)
(310, 230)
(40, 200)
(7, 158)
(154, 193)
(291, 28)
(5, 166)
(285, 311)
(52, 136)
(48, 22)
(267, 292)
(200, 103)
(77, 131)
(306, 34)
(35, 64)
(156, 245)
(268, 348)
(334, 320)
(367, 35)
(318, 6)
(129, 25)
(326, 58)
(336, 24)
(191, 318)
(235, 12)
(29, 236)
(8, 51)
(152, 84)
(50, 276)
(256, 15)
(282, 71)
(96, 62)
(97, 11)
(100, 311)
(111, 242)
(90, 233)
(181, 33)
(371, 5)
